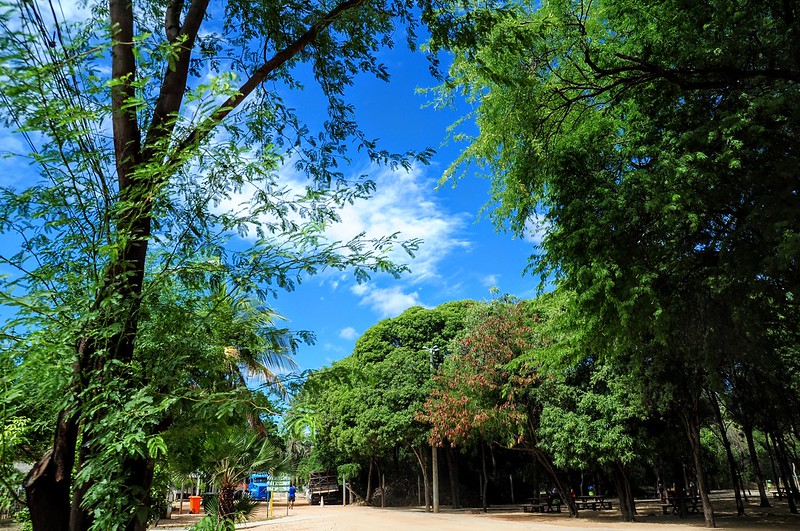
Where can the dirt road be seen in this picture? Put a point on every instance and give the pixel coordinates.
(375, 519)
(359, 518)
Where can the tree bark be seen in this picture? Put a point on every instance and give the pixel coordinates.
(452, 472)
(751, 448)
(783, 464)
(47, 486)
(691, 423)
(422, 459)
(226, 502)
(726, 443)
(368, 497)
(561, 485)
(484, 479)
(49, 483)
(627, 505)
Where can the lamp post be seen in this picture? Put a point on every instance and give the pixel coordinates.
(434, 448)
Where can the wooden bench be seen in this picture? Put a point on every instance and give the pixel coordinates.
(593, 503)
(542, 508)
(779, 494)
(692, 506)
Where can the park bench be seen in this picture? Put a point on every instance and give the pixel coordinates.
(674, 505)
(538, 505)
(593, 503)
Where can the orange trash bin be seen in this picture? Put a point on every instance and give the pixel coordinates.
(194, 504)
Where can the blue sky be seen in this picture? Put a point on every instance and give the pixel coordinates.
(461, 256)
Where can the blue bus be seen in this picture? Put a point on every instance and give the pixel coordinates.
(258, 486)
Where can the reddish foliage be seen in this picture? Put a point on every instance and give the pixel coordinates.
(477, 395)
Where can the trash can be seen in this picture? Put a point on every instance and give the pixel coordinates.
(194, 504)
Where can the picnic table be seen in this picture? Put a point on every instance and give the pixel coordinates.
(779, 493)
(593, 503)
(542, 505)
(692, 504)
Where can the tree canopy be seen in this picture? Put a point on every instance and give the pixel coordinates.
(655, 146)
(142, 121)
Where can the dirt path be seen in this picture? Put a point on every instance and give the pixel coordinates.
(359, 518)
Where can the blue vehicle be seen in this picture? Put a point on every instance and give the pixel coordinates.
(258, 487)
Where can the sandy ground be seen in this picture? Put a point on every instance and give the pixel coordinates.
(499, 518)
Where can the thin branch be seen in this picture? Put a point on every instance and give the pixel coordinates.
(260, 75)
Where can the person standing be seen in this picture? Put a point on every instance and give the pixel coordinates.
(292, 494)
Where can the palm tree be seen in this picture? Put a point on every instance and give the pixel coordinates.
(232, 455)
(256, 350)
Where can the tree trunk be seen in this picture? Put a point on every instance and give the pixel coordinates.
(47, 486)
(79, 517)
(422, 459)
(452, 472)
(751, 448)
(726, 443)
(691, 423)
(484, 479)
(561, 485)
(783, 464)
(226, 503)
(627, 505)
(368, 497)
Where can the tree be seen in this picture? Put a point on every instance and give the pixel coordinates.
(654, 143)
(365, 404)
(135, 154)
(232, 456)
(488, 390)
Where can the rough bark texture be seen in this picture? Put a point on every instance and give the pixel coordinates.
(226, 502)
(47, 486)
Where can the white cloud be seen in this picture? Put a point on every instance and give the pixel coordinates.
(359, 289)
(490, 281)
(74, 10)
(405, 202)
(336, 349)
(348, 333)
(390, 302)
(536, 229)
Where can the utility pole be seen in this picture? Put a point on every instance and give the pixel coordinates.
(434, 449)
(435, 464)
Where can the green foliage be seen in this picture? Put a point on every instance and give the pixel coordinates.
(593, 423)
(348, 470)
(128, 237)
(365, 405)
(651, 150)
(652, 147)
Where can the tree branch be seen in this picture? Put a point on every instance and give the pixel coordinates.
(127, 137)
(174, 84)
(172, 22)
(259, 75)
